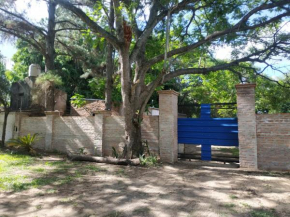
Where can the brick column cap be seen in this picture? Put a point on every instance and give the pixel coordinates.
(173, 92)
(56, 113)
(238, 86)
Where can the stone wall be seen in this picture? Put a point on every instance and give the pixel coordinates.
(273, 138)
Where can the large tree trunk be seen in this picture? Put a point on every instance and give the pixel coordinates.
(6, 113)
(109, 76)
(109, 64)
(50, 37)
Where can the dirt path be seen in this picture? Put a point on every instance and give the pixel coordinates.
(185, 189)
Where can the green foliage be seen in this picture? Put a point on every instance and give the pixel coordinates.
(234, 151)
(264, 213)
(150, 160)
(272, 98)
(4, 86)
(98, 88)
(78, 100)
(47, 79)
(82, 151)
(24, 56)
(25, 142)
(115, 153)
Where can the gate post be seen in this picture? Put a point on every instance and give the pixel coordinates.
(247, 125)
(168, 114)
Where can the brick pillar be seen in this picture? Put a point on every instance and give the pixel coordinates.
(247, 125)
(168, 113)
(99, 132)
(50, 115)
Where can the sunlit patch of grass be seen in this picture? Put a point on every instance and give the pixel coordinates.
(10, 180)
(13, 182)
(38, 170)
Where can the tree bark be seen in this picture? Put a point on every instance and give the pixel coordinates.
(50, 37)
(6, 113)
(108, 160)
(109, 64)
(109, 77)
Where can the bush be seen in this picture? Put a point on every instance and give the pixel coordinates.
(150, 160)
(25, 142)
(46, 79)
(78, 100)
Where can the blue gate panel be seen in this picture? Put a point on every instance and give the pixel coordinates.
(207, 131)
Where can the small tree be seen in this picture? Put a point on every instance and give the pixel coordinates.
(4, 99)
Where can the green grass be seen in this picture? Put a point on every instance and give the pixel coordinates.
(264, 213)
(232, 196)
(20, 172)
(233, 151)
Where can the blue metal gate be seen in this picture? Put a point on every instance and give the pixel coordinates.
(207, 131)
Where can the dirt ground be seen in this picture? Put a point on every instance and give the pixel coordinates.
(185, 189)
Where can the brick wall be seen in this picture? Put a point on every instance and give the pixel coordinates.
(34, 125)
(273, 138)
(114, 132)
(71, 133)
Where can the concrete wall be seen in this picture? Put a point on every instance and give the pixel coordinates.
(273, 138)
(9, 127)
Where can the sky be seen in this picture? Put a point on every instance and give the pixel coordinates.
(38, 10)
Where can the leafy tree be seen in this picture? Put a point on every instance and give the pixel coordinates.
(210, 23)
(4, 98)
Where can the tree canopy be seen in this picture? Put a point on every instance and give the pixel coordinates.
(152, 42)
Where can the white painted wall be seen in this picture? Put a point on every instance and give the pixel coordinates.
(9, 127)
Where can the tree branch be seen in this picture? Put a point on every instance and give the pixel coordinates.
(239, 27)
(94, 26)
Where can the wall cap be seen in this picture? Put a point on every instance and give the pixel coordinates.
(245, 86)
(56, 113)
(105, 112)
(173, 92)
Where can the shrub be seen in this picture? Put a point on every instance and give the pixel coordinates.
(115, 152)
(46, 79)
(150, 160)
(78, 100)
(25, 142)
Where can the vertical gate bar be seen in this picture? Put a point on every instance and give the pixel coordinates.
(206, 152)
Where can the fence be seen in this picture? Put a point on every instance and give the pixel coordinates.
(264, 140)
